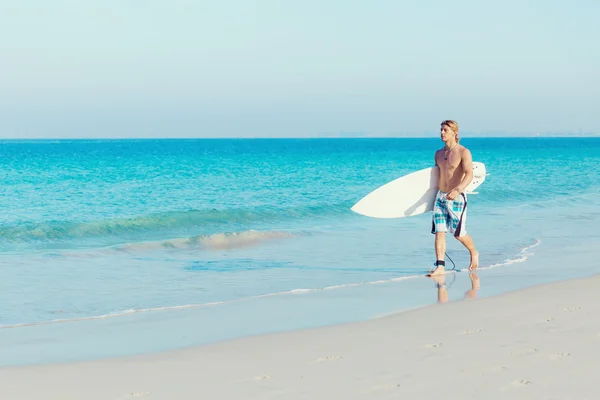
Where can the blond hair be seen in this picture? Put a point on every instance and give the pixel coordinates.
(452, 125)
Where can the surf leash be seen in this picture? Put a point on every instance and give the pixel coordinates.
(453, 269)
(454, 265)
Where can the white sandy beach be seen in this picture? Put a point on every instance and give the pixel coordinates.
(538, 343)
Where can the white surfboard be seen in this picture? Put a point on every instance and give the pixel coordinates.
(409, 195)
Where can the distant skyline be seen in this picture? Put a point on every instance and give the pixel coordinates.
(184, 68)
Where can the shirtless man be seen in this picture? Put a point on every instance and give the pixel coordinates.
(450, 209)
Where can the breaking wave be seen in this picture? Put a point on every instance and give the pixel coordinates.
(206, 221)
(209, 242)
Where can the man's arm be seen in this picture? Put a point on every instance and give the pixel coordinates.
(467, 162)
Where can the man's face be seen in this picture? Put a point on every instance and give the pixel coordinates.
(446, 133)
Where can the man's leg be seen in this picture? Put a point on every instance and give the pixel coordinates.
(439, 227)
(458, 212)
(467, 241)
(440, 251)
(440, 245)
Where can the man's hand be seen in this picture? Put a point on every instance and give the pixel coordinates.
(452, 194)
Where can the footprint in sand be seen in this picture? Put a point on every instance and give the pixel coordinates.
(521, 382)
(327, 358)
(261, 377)
(257, 378)
(433, 345)
(385, 386)
(559, 356)
(573, 308)
(524, 352)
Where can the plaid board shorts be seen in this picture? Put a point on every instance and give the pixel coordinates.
(449, 215)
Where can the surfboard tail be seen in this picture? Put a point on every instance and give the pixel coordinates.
(409, 195)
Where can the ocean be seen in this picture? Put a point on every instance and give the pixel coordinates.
(121, 247)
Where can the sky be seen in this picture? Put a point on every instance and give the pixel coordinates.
(267, 68)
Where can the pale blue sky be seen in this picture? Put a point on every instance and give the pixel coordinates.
(183, 68)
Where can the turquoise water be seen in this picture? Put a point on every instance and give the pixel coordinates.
(133, 246)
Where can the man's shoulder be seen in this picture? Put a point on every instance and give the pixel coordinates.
(439, 153)
(465, 154)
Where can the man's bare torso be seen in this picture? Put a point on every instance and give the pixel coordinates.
(451, 170)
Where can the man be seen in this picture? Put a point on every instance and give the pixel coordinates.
(450, 209)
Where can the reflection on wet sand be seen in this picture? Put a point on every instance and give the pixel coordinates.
(442, 290)
(475, 284)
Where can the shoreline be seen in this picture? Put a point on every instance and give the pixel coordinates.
(79, 334)
(97, 339)
(538, 341)
(519, 257)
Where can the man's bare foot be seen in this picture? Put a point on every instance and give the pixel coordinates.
(474, 261)
(439, 270)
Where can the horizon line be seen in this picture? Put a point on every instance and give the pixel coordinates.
(491, 136)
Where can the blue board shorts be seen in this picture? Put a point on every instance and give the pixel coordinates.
(449, 215)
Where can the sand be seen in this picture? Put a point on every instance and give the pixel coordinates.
(537, 343)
